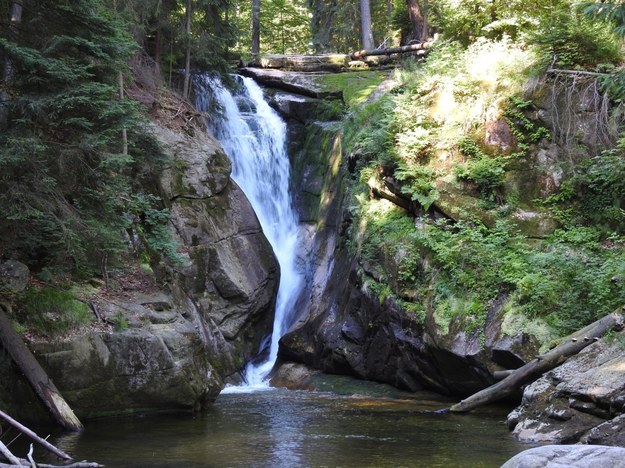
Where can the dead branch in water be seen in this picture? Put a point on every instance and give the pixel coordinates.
(47, 445)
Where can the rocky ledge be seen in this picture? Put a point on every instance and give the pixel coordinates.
(583, 400)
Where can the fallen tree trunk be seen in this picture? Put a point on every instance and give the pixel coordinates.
(391, 50)
(541, 364)
(39, 380)
(23, 429)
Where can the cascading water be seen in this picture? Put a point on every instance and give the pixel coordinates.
(254, 137)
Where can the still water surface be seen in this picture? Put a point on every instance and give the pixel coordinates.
(285, 428)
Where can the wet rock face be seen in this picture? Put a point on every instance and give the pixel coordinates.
(350, 332)
(580, 456)
(347, 330)
(582, 400)
(230, 282)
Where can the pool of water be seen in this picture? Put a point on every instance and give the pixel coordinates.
(343, 423)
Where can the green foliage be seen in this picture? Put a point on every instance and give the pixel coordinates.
(601, 189)
(570, 288)
(64, 182)
(285, 27)
(567, 39)
(49, 311)
(487, 173)
(335, 25)
(610, 12)
(367, 131)
(356, 86)
(565, 281)
(463, 268)
(418, 183)
(525, 130)
(120, 321)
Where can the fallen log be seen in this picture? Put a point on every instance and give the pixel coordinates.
(39, 380)
(572, 345)
(391, 50)
(47, 445)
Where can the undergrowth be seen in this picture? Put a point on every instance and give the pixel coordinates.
(49, 311)
(429, 136)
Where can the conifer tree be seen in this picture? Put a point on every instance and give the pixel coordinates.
(64, 179)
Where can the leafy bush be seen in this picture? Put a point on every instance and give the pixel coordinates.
(418, 183)
(570, 40)
(601, 190)
(487, 173)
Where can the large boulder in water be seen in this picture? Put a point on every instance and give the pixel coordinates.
(231, 278)
(573, 456)
(153, 360)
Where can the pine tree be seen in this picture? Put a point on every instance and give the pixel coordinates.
(64, 177)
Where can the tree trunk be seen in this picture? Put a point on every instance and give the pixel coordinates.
(120, 76)
(365, 22)
(418, 20)
(392, 50)
(255, 29)
(541, 364)
(187, 60)
(14, 27)
(41, 383)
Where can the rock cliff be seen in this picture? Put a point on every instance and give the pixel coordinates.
(172, 344)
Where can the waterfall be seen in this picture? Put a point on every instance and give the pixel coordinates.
(254, 137)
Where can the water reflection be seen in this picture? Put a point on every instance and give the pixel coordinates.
(283, 428)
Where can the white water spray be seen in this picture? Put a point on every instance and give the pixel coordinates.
(254, 137)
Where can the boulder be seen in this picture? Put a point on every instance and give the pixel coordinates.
(230, 280)
(577, 456)
(155, 361)
(14, 276)
(293, 376)
(583, 399)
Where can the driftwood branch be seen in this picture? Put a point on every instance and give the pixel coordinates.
(6, 453)
(37, 376)
(29, 456)
(21, 462)
(35, 437)
(541, 364)
(391, 50)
